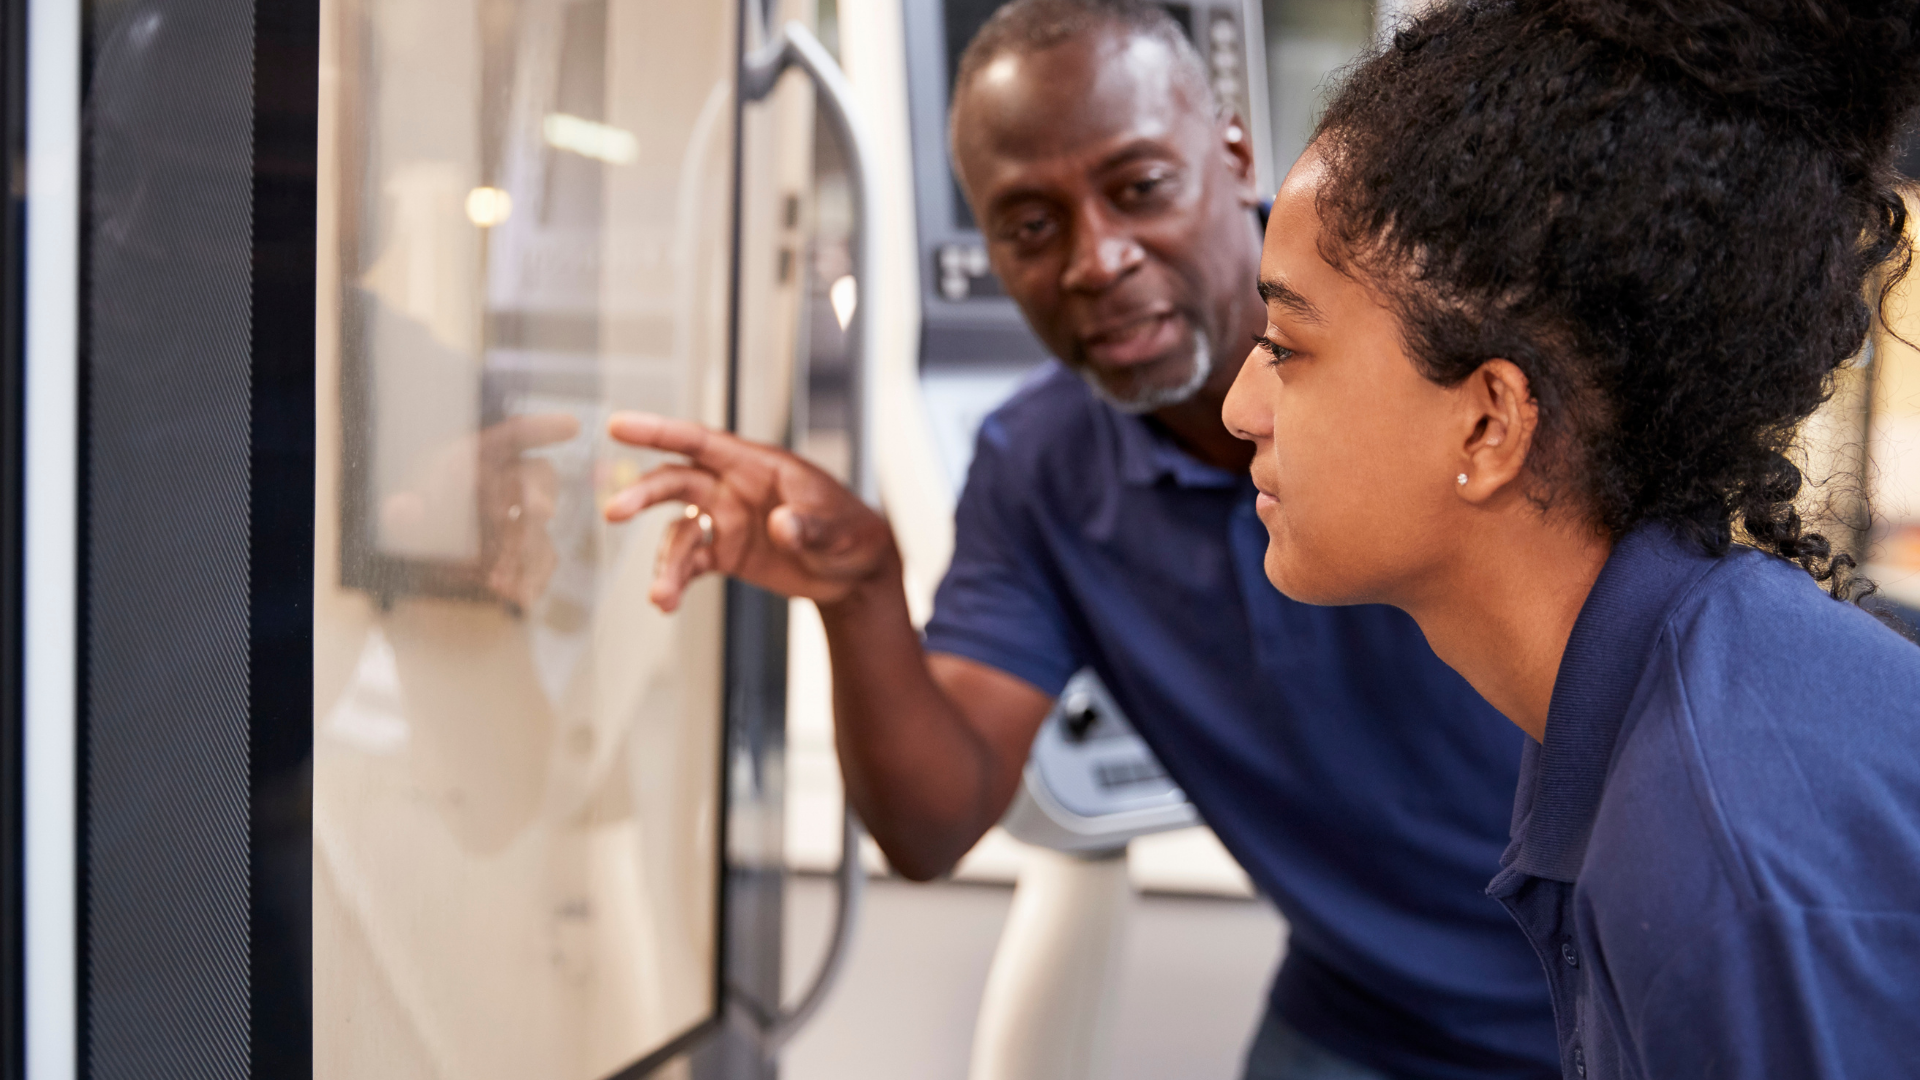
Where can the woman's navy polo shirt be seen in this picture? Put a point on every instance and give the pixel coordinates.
(1716, 850)
(1363, 784)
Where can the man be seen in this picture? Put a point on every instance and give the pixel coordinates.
(1108, 521)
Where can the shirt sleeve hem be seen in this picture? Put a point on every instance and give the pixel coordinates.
(1049, 679)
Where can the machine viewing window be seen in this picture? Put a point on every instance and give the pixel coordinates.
(387, 767)
(525, 223)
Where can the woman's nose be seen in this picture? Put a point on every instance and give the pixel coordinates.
(1246, 412)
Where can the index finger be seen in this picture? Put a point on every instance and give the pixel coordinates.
(710, 449)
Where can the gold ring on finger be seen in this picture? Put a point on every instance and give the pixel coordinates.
(704, 520)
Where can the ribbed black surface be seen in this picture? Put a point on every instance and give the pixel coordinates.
(167, 382)
(13, 164)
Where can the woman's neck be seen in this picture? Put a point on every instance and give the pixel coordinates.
(1502, 610)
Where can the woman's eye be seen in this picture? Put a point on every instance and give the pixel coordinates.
(1276, 353)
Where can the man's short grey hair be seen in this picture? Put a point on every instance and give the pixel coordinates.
(1028, 26)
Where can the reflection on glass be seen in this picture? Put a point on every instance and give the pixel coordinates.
(1893, 442)
(525, 211)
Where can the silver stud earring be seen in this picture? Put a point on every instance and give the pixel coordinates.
(1461, 479)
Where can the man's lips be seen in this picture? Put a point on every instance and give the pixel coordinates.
(1134, 341)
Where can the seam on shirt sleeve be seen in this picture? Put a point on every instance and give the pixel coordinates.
(1651, 1014)
(1705, 790)
(1705, 787)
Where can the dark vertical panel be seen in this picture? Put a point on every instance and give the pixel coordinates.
(755, 857)
(285, 167)
(167, 234)
(753, 749)
(13, 88)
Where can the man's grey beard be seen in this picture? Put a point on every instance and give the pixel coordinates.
(1151, 398)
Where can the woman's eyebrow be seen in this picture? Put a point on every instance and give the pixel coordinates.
(1275, 291)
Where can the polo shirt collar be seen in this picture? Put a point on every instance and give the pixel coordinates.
(1561, 778)
(1148, 454)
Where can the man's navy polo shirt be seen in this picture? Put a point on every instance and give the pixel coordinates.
(1361, 782)
(1716, 851)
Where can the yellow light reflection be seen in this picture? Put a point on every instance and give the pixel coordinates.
(590, 138)
(488, 206)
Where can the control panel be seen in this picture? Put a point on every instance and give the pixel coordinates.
(1091, 783)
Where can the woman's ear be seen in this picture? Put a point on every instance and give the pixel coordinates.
(1501, 417)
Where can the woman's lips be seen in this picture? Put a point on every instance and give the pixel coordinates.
(1263, 502)
(1136, 342)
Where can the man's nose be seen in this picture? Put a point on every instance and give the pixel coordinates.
(1102, 255)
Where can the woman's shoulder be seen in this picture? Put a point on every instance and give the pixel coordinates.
(1757, 618)
(1760, 651)
(1785, 722)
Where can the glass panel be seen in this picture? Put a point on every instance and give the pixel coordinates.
(525, 223)
(1893, 428)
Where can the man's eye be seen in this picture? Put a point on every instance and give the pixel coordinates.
(1143, 189)
(1028, 230)
(1276, 353)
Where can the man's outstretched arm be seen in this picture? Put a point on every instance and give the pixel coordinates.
(931, 746)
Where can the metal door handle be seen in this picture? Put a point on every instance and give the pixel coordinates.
(795, 46)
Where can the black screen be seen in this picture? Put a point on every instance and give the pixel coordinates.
(197, 464)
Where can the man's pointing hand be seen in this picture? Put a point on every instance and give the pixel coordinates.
(771, 519)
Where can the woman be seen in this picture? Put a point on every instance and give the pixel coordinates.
(1547, 298)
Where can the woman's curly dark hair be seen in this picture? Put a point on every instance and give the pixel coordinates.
(1665, 212)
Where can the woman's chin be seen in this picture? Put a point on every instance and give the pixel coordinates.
(1302, 583)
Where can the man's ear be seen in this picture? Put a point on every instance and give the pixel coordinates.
(1500, 416)
(1236, 139)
